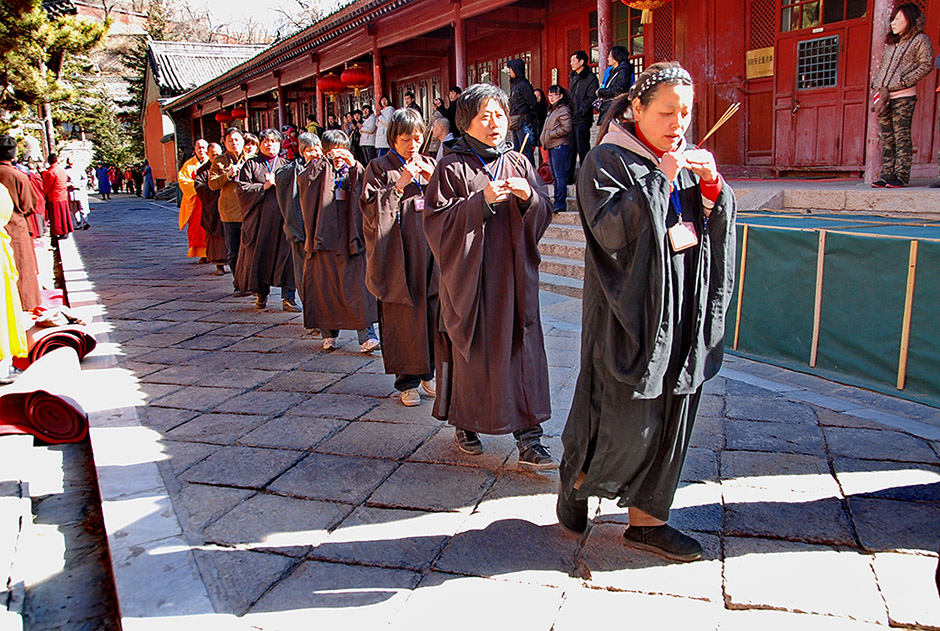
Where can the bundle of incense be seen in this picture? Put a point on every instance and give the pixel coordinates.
(515, 162)
(731, 111)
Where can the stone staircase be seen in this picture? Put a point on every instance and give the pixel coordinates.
(562, 250)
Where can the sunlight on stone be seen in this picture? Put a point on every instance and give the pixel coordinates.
(45, 551)
(427, 525)
(293, 538)
(108, 389)
(858, 482)
(119, 514)
(781, 488)
(112, 446)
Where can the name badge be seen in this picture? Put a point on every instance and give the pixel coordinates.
(682, 236)
(340, 194)
(419, 204)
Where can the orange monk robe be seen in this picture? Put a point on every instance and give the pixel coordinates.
(190, 209)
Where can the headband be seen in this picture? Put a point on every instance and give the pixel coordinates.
(667, 74)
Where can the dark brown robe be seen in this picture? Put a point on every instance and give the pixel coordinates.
(335, 295)
(400, 271)
(210, 221)
(496, 378)
(24, 256)
(264, 255)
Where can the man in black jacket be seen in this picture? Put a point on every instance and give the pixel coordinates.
(619, 80)
(521, 109)
(582, 88)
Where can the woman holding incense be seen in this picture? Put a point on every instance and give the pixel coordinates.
(483, 218)
(400, 270)
(659, 270)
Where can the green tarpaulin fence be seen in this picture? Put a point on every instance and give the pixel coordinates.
(853, 300)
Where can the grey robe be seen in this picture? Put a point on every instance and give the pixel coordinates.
(652, 326)
(400, 271)
(495, 380)
(264, 255)
(334, 295)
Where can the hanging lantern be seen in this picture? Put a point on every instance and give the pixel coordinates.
(646, 6)
(356, 77)
(238, 112)
(331, 85)
(223, 117)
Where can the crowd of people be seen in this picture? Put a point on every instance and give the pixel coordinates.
(136, 180)
(364, 222)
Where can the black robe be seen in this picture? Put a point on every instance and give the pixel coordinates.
(334, 294)
(400, 271)
(264, 255)
(652, 328)
(210, 220)
(495, 379)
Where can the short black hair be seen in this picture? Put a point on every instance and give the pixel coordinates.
(620, 54)
(411, 94)
(472, 100)
(271, 133)
(232, 130)
(456, 89)
(404, 121)
(334, 138)
(250, 137)
(367, 107)
(53, 158)
(580, 54)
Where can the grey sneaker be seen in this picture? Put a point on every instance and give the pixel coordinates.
(537, 458)
(468, 442)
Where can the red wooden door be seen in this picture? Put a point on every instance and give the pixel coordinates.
(821, 88)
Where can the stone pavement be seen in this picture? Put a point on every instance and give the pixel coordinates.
(250, 480)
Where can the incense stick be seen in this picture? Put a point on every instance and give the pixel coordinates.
(731, 111)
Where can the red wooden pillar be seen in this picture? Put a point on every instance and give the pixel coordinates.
(460, 50)
(604, 35)
(377, 82)
(879, 25)
(281, 118)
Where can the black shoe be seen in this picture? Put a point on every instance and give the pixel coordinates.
(879, 183)
(663, 540)
(261, 302)
(468, 442)
(935, 184)
(572, 513)
(238, 293)
(220, 270)
(290, 306)
(537, 458)
(894, 182)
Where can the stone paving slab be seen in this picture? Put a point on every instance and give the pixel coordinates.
(908, 583)
(246, 467)
(335, 478)
(293, 432)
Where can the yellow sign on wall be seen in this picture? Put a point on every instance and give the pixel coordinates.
(760, 62)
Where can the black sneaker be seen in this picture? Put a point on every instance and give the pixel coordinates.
(879, 183)
(572, 513)
(468, 442)
(261, 303)
(894, 182)
(935, 184)
(238, 293)
(537, 458)
(663, 540)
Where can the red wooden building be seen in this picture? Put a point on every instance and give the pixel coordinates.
(799, 68)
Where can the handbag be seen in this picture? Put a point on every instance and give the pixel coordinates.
(545, 168)
(878, 103)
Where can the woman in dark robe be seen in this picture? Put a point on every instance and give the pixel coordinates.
(400, 271)
(264, 255)
(210, 220)
(659, 270)
(335, 295)
(483, 219)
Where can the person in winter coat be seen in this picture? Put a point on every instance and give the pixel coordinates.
(555, 134)
(906, 60)
(582, 88)
(522, 103)
(383, 118)
(618, 80)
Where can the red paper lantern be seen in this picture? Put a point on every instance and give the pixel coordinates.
(238, 112)
(331, 85)
(356, 77)
(646, 6)
(223, 117)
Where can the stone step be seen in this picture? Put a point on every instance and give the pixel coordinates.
(573, 250)
(562, 267)
(567, 218)
(562, 285)
(565, 232)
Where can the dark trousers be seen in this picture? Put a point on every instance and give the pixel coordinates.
(529, 437)
(409, 382)
(368, 152)
(362, 334)
(897, 148)
(232, 233)
(558, 158)
(525, 134)
(580, 142)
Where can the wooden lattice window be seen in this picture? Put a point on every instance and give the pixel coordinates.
(817, 63)
(664, 33)
(763, 23)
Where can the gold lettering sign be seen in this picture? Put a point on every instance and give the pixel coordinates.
(760, 62)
